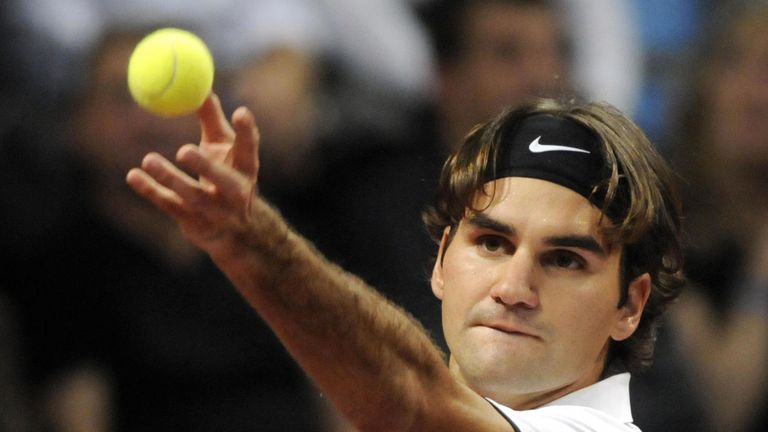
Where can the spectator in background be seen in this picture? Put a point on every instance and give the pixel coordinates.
(532, 47)
(723, 148)
(493, 54)
(129, 328)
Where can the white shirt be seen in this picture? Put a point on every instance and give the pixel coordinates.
(603, 406)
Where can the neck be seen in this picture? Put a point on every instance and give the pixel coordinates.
(508, 394)
(526, 401)
(535, 400)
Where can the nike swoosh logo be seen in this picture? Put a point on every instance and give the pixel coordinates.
(536, 147)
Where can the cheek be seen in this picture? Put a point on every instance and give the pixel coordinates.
(456, 294)
(587, 316)
(466, 275)
(464, 286)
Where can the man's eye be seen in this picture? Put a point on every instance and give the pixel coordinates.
(490, 243)
(566, 260)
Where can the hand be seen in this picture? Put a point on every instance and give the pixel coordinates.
(213, 209)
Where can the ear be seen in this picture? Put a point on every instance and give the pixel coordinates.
(437, 270)
(629, 314)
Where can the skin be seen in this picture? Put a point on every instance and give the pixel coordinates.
(515, 286)
(372, 361)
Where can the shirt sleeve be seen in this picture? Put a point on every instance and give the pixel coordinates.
(563, 418)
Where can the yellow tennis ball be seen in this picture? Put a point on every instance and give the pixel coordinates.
(170, 72)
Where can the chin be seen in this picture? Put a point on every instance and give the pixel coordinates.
(505, 369)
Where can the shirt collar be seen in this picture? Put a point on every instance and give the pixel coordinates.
(610, 395)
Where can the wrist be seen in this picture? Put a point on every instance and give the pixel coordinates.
(264, 243)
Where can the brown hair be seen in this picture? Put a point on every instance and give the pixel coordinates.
(639, 196)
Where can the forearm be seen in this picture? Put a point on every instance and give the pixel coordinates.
(372, 360)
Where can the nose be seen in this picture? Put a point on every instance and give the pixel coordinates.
(514, 284)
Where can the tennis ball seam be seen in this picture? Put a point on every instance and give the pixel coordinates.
(174, 71)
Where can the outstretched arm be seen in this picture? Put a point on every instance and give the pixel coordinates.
(372, 360)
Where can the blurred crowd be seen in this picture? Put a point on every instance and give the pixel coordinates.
(111, 321)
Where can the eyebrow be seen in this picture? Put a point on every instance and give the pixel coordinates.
(482, 220)
(586, 242)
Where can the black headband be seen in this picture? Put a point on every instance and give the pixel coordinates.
(554, 149)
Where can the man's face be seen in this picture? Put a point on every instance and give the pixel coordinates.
(529, 293)
(510, 53)
(739, 94)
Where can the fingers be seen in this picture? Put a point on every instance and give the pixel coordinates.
(229, 185)
(163, 198)
(246, 147)
(168, 187)
(220, 185)
(213, 122)
(191, 192)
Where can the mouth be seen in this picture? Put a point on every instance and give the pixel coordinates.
(511, 329)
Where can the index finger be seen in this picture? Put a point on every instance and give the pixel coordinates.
(213, 122)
